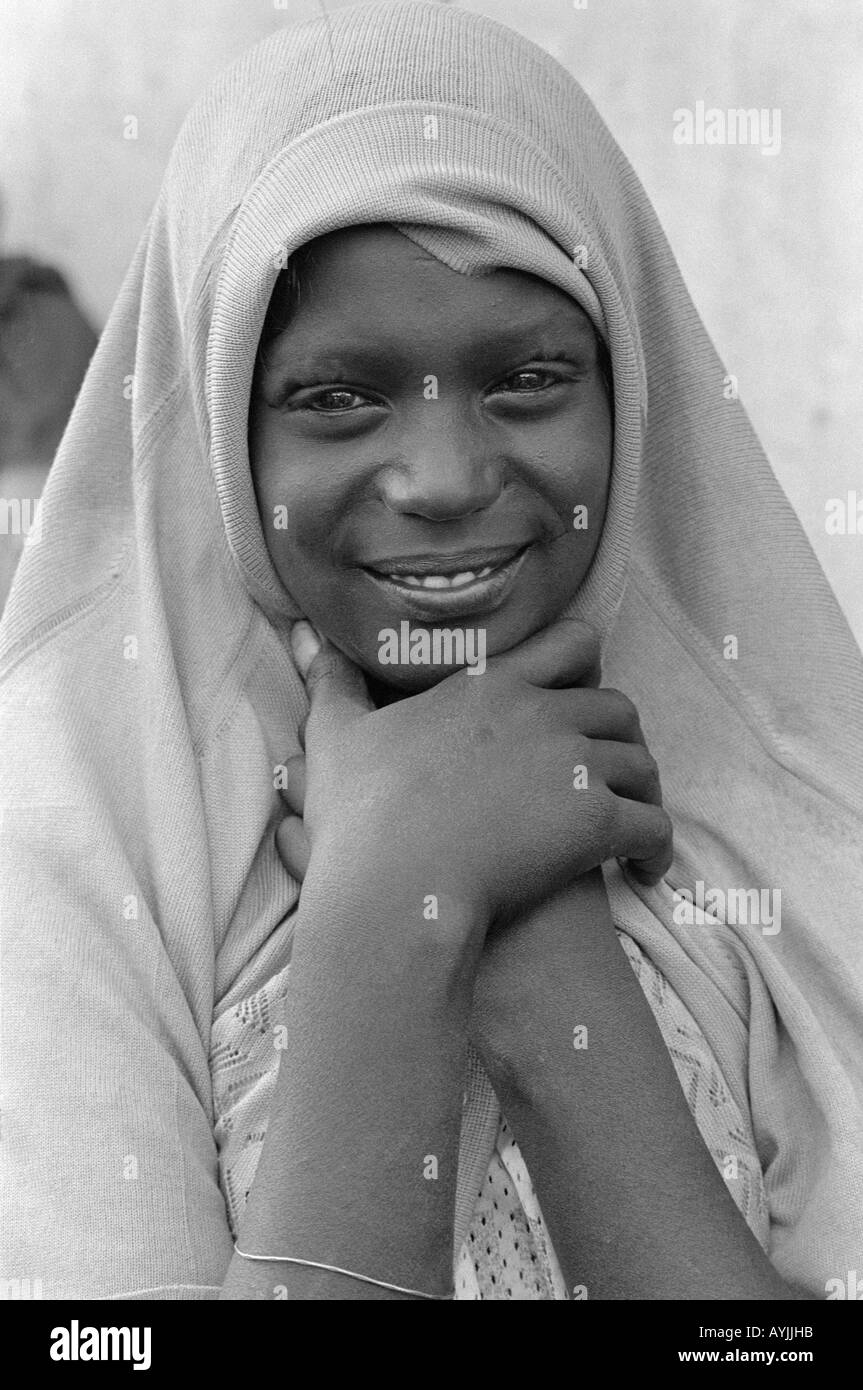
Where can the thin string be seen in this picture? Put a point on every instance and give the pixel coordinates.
(350, 1273)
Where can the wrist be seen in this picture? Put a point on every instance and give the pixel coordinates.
(403, 849)
(360, 1163)
(401, 910)
(540, 982)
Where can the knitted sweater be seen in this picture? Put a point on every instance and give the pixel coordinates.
(147, 690)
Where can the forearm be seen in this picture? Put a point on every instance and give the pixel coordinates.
(360, 1160)
(635, 1205)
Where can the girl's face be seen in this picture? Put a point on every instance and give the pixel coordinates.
(428, 448)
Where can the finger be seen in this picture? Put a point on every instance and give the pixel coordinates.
(305, 645)
(646, 840)
(293, 846)
(605, 714)
(567, 652)
(628, 770)
(335, 686)
(294, 793)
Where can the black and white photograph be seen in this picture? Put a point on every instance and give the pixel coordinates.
(431, 689)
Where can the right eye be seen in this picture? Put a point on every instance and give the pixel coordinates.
(332, 400)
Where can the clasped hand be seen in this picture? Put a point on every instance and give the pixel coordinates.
(506, 789)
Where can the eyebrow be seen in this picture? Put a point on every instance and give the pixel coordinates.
(555, 325)
(544, 335)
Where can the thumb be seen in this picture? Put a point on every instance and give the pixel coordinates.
(336, 687)
(567, 652)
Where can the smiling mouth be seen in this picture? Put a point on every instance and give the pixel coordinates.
(452, 588)
(439, 581)
(445, 572)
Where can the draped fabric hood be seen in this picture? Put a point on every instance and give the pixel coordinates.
(147, 689)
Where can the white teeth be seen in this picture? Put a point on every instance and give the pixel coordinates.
(442, 581)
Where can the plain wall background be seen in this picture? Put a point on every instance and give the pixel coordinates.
(771, 246)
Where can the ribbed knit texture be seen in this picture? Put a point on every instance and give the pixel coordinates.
(146, 691)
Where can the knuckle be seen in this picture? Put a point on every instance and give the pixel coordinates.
(607, 817)
(664, 830)
(649, 770)
(323, 666)
(587, 639)
(593, 646)
(292, 843)
(283, 837)
(625, 713)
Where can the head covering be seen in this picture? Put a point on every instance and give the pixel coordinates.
(148, 690)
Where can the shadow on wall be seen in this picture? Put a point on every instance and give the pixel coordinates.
(45, 346)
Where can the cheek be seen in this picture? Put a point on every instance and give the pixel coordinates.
(299, 540)
(596, 487)
(589, 508)
(577, 484)
(598, 449)
(296, 505)
(580, 477)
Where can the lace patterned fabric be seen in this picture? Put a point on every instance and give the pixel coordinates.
(508, 1253)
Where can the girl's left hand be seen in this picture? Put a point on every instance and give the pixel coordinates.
(526, 966)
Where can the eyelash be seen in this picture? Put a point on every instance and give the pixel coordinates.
(307, 403)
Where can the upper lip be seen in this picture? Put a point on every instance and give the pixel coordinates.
(468, 560)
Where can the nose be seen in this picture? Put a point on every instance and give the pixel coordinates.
(447, 471)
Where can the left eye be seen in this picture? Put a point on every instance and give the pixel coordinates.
(537, 381)
(339, 400)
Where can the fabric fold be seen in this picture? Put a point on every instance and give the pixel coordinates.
(147, 691)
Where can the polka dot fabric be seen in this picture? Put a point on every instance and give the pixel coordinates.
(507, 1253)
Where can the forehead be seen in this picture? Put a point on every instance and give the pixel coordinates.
(372, 277)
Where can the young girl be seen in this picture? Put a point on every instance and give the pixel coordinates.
(404, 353)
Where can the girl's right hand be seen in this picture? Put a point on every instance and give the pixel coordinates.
(496, 788)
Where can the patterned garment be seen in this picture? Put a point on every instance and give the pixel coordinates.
(508, 1252)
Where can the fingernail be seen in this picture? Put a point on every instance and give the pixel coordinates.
(641, 876)
(305, 645)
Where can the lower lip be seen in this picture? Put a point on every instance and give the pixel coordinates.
(482, 596)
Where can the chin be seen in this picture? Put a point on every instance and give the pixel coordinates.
(406, 680)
